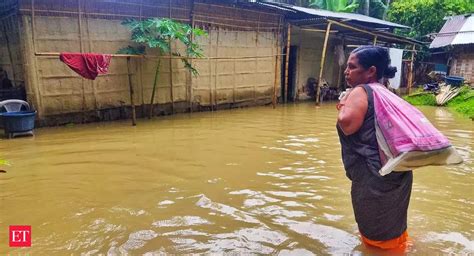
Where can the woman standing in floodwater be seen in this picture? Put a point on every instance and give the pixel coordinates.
(380, 203)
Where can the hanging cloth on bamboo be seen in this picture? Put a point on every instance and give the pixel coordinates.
(88, 65)
(406, 139)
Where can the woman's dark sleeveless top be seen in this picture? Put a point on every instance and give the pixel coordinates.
(380, 202)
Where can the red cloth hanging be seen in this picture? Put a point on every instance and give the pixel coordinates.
(88, 65)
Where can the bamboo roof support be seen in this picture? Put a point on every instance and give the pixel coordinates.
(321, 67)
(132, 94)
(410, 71)
(277, 37)
(287, 61)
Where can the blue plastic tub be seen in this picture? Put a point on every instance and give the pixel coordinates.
(454, 80)
(15, 122)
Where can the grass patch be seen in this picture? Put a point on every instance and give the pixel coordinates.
(421, 99)
(463, 102)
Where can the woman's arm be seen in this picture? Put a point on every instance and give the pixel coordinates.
(352, 110)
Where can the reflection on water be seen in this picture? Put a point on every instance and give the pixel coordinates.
(244, 181)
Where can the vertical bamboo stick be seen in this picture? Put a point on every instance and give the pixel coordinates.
(287, 64)
(171, 68)
(81, 45)
(132, 95)
(375, 40)
(277, 37)
(92, 82)
(256, 60)
(171, 81)
(33, 33)
(215, 69)
(191, 92)
(410, 71)
(210, 68)
(235, 82)
(323, 58)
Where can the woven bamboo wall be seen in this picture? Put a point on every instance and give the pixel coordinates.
(463, 65)
(236, 36)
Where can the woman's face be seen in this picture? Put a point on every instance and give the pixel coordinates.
(355, 73)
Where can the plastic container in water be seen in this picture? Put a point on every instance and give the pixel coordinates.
(18, 122)
(454, 80)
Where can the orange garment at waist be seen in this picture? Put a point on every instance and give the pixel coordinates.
(395, 243)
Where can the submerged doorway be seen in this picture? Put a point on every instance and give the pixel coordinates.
(291, 74)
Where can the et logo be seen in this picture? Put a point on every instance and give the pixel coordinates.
(20, 236)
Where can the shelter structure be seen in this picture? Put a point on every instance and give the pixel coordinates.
(312, 40)
(453, 46)
(239, 68)
(252, 49)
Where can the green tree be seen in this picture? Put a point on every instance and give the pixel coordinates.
(159, 33)
(426, 16)
(373, 8)
(335, 5)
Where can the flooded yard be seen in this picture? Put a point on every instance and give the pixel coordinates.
(257, 180)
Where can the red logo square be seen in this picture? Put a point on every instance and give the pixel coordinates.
(20, 236)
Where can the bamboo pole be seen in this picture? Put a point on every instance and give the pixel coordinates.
(368, 32)
(410, 71)
(215, 69)
(190, 74)
(210, 70)
(81, 45)
(256, 60)
(277, 37)
(92, 82)
(321, 67)
(287, 58)
(33, 24)
(132, 100)
(157, 73)
(54, 54)
(171, 68)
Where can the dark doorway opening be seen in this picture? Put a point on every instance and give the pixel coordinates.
(291, 74)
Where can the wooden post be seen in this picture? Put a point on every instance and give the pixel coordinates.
(410, 70)
(323, 58)
(171, 68)
(132, 100)
(210, 69)
(191, 14)
(33, 24)
(215, 68)
(287, 57)
(81, 45)
(92, 82)
(256, 59)
(276, 64)
(171, 81)
(375, 40)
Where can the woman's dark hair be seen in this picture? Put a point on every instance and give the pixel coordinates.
(378, 57)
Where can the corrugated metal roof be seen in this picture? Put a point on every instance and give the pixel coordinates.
(334, 15)
(457, 30)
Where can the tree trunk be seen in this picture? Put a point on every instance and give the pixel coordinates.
(366, 9)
